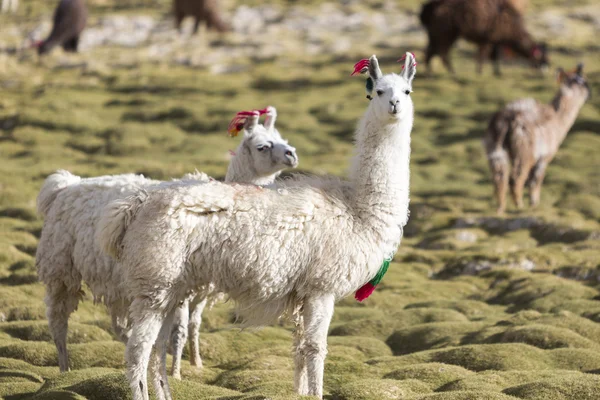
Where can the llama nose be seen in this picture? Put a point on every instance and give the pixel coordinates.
(394, 102)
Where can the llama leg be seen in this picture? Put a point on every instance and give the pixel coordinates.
(60, 303)
(178, 20)
(317, 317)
(179, 336)
(147, 325)
(300, 378)
(517, 183)
(483, 54)
(194, 331)
(196, 26)
(429, 53)
(159, 361)
(536, 177)
(498, 161)
(495, 56)
(120, 323)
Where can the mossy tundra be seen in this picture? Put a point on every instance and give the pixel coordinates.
(475, 306)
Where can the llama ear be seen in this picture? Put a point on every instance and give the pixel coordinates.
(409, 69)
(271, 116)
(579, 69)
(251, 123)
(374, 70)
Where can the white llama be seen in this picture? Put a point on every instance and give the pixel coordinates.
(262, 152)
(298, 248)
(68, 255)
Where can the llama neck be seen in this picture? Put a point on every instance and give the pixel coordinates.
(380, 173)
(567, 108)
(241, 171)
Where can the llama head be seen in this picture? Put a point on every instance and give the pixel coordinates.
(574, 83)
(262, 152)
(539, 56)
(389, 94)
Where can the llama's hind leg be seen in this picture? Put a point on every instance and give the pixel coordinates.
(300, 373)
(499, 166)
(179, 336)
(194, 331)
(518, 177)
(159, 361)
(317, 317)
(60, 303)
(536, 177)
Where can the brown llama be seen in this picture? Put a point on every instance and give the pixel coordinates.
(487, 23)
(201, 10)
(527, 134)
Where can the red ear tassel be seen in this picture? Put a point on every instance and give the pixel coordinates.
(237, 123)
(361, 67)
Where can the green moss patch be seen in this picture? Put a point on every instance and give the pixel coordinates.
(433, 374)
(365, 389)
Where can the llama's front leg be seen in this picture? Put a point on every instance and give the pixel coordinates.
(317, 317)
(179, 336)
(536, 177)
(147, 324)
(197, 307)
(300, 373)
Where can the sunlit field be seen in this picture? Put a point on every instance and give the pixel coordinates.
(474, 306)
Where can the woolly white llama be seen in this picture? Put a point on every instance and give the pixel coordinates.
(68, 255)
(298, 249)
(527, 134)
(260, 158)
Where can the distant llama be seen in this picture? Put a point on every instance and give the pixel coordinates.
(527, 134)
(489, 24)
(201, 10)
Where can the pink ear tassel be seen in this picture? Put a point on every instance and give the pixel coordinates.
(404, 58)
(361, 67)
(232, 153)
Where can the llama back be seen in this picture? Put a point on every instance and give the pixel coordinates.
(118, 214)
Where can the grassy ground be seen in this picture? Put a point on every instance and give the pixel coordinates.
(474, 306)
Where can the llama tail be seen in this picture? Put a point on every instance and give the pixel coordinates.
(116, 218)
(427, 11)
(53, 185)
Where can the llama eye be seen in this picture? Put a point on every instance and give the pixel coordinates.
(261, 148)
(379, 92)
(407, 92)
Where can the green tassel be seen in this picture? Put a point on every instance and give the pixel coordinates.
(382, 270)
